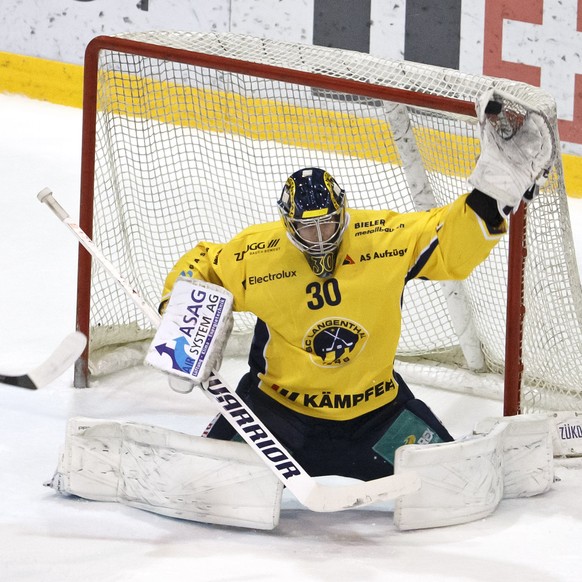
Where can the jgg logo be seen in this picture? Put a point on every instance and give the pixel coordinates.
(334, 342)
(257, 247)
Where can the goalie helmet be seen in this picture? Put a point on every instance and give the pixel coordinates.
(313, 209)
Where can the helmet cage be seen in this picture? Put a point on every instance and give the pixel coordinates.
(317, 236)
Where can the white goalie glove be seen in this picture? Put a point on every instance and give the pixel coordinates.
(517, 150)
(192, 335)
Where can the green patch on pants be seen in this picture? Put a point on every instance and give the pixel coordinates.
(407, 429)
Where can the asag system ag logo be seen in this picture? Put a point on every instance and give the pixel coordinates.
(334, 342)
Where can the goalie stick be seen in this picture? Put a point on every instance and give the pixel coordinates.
(311, 493)
(53, 367)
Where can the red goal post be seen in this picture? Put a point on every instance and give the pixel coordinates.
(190, 136)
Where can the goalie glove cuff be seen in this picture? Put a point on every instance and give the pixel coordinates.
(529, 195)
(487, 209)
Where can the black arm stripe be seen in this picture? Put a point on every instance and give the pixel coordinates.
(422, 260)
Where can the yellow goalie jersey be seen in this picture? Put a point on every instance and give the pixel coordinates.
(326, 347)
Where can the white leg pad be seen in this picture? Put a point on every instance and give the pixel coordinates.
(169, 473)
(528, 462)
(461, 481)
(465, 480)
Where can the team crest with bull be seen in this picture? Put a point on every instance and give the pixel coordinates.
(334, 342)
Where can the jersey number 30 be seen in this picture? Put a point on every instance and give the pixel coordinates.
(323, 293)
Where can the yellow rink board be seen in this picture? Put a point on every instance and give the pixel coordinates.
(62, 83)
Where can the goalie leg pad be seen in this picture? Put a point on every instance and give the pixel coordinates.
(464, 481)
(169, 473)
(528, 463)
(461, 481)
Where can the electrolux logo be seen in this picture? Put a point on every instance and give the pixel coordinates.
(269, 277)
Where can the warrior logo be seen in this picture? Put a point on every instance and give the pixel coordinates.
(334, 342)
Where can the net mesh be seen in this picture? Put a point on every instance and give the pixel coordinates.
(186, 152)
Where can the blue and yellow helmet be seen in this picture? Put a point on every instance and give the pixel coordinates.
(313, 209)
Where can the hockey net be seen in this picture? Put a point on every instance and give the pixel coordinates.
(190, 137)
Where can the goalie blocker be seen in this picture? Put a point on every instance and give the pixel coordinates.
(192, 335)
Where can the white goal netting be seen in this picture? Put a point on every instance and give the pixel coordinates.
(187, 149)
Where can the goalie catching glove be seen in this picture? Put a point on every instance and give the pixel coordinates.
(192, 335)
(517, 150)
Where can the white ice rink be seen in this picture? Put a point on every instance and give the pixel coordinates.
(47, 538)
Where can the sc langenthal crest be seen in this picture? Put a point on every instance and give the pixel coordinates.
(334, 342)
